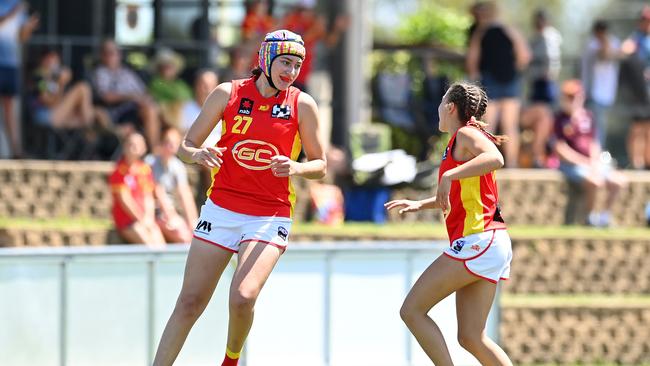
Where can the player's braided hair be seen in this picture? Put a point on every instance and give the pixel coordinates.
(471, 102)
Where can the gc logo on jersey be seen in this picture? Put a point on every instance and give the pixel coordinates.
(254, 154)
(245, 106)
(281, 111)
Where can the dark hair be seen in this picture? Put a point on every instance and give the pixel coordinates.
(256, 71)
(600, 25)
(471, 102)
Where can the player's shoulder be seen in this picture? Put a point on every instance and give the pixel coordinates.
(306, 101)
(470, 132)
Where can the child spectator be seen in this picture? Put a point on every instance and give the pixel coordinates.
(170, 177)
(132, 186)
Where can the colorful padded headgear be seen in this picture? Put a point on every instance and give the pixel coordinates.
(279, 42)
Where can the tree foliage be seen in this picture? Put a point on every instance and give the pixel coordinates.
(435, 24)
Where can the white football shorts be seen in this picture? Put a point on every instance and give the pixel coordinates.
(228, 230)
(486, 255)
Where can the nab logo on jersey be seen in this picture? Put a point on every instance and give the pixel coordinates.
(254, 154)
(246, 106)
(281, 111)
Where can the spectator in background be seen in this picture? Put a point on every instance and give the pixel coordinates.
(170, 177)
(304, 20)
(600, 64)
(240, 63)
(132, 186)
(637, 46)
(15, 28)
(204, 83)
(543, 72)
(257, 22)
(579, 151)
(125, 94)
(169, 91)
(55, 105)
(497, 54)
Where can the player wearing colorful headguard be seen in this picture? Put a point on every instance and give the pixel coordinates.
(266, 123)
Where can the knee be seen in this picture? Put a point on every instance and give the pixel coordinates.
(242, 302)
(408, 313)
(190, 306)
(471, 341)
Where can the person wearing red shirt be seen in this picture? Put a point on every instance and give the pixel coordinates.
(265, 122)
(303, 19)
(132, 187)
(480, 251)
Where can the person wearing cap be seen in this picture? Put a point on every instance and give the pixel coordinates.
(15, 28)
(265, 124)
(576, 144)
(637, 45)
(167, 89)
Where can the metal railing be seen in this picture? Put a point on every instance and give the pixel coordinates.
(337, 303)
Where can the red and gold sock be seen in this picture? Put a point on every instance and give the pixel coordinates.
(231, 359)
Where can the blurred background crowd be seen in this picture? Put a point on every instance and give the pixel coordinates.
(568, 83)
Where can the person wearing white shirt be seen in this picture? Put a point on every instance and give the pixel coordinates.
(600, 64)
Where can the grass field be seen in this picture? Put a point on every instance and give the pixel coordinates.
(418, 230)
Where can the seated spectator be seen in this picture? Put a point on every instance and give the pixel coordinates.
(54, 105)
(170, 178)
(132, 187)
(204, 83)
(125, 95)
(170, 92)
(577, 146)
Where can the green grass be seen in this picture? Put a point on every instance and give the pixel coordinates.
(437, 231)
(418, 230)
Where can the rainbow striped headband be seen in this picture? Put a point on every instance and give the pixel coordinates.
(280, 42)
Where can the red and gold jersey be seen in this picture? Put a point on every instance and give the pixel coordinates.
(473, 200)
(254, 129)
(138, 180)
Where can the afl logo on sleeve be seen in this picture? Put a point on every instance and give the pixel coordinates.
(245, 106)
(281, 111)
(444, 155)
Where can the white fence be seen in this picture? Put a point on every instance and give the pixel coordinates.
(326, 304)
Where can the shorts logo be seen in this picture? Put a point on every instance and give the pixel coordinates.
(254, 154)
(246, 106)
(281, 111)
(204, 226)
(476, 247)
(457, 246)
(283, 233)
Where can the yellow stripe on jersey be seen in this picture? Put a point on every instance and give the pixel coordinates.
(214, 171)
(295, 152)
(470, 196)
